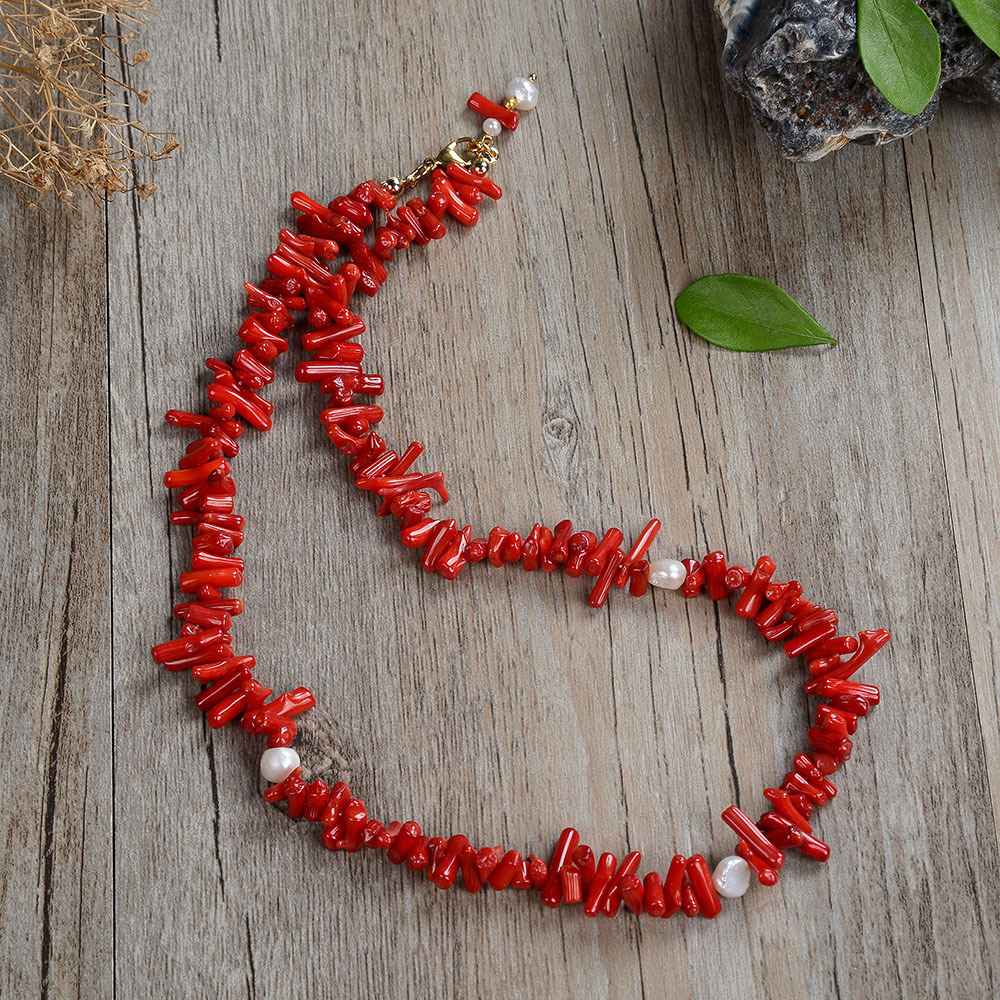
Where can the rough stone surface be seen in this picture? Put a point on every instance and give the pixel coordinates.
(797, 63)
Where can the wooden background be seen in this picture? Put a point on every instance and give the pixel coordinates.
(539, 359)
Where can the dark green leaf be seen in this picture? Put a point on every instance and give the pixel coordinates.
(742, 313)
(900, 51)
(983, 17)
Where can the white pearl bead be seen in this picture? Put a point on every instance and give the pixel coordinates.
(524, 91)
(492, 127)
(277, 763)
(667, 573)
(731, 877)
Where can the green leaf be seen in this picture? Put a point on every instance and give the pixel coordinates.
(983, 17)
(901, 52)
(742, 313)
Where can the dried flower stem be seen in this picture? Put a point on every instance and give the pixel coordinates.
(65, 122)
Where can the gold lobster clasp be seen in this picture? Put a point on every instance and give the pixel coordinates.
(466, 151)
(452, 154)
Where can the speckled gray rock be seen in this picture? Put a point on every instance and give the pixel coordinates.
(797, 63)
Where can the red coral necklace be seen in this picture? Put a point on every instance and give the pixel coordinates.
(304, 281)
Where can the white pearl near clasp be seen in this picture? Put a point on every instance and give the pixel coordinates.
(524, 91)
(492, 127)
(277, 763)
(731, 877)
(669, 574)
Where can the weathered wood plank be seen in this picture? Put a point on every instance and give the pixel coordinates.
(56, 884)
(538, 360)
(954, 190)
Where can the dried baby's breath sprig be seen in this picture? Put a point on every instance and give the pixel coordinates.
(66, 125)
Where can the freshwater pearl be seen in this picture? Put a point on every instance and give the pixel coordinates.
(667, 573)
(524, 91)
(731, 877)
(277, 763)
(492, 127)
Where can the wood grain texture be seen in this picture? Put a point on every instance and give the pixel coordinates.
(538, 359)
(56, 884)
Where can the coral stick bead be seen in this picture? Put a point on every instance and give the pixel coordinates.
(504, 873)
(653, 901)
(419, 857)
(673, 885)
(798, 784)
(643, 541)
(187, 645)
(487, 859)
(320, 371)
(210, 654)
(632, 893)
(353, 820)
(445, 199)
(202, 614)
(602, 587)
(561, 855)
(613, 894)
(755, 591)
(585, 863)
(521, 879)
(788, 835)
(638, 578)
(561, 533)
(766, 875)
(571, 885)
(205, 559)
(178, 478)
(513, 548)
(598, 556)
(689, 900)
(250, 692)
(578, 549)
(695, 579)
(255, 415)
(483, 106)
(738, 821)
(831, 687)
(317, 793)
(537, 871)
(599, 884)
(191, 581)
(870, 642)
(446, 865)
(783, 805)
(703, 887)
(810, 638)
(295, 795)
(714, 568)
(471, 880)
(205, 673)
(340, 795)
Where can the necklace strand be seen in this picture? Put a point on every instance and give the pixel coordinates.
(302, 282)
